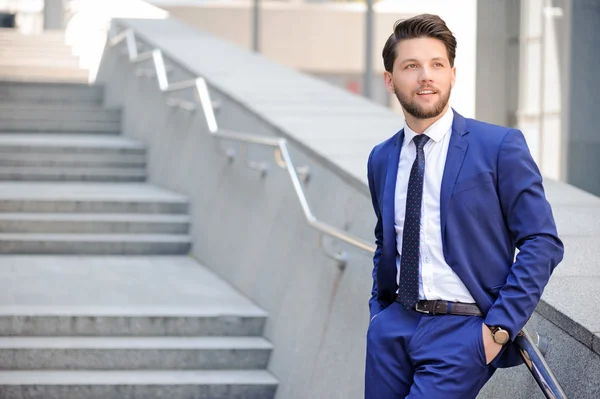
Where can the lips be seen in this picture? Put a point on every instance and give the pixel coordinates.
(426, 92)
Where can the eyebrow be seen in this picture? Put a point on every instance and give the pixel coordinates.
(415, 60)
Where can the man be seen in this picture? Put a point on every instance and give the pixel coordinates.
(454, 198)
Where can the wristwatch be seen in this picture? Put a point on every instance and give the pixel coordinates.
(500, 335)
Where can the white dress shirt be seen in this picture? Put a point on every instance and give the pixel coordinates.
(437, 280)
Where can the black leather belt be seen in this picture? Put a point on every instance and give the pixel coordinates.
(445, 307)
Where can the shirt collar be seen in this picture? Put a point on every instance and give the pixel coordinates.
(436, 132)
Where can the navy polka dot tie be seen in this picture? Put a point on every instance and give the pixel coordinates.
(408, 293)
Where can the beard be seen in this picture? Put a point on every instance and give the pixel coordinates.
(419, 112)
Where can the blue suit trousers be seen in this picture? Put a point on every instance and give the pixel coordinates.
(420, 356)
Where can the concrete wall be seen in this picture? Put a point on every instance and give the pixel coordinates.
(584, 118)
(251, 230)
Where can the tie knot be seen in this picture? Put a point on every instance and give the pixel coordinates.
(421, 140)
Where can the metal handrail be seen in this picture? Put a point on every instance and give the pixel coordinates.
(201, 88)
(530, 352)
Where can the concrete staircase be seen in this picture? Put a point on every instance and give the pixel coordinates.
(98, 298)
(40, 57)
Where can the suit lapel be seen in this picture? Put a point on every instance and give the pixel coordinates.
(389, 194)
(457, 149)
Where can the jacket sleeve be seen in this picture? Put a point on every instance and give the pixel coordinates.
(374, 305)
(529, 218)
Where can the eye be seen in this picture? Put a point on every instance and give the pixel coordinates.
(439, 65)
(411, 66)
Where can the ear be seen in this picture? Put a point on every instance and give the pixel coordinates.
(453, 76)
(389, 83)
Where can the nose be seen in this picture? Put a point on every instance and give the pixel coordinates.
(425, 75)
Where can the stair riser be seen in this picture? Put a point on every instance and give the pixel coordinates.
(51, 126)
(43, 71)
(92, 154)
(91, 207)
(24, 48)
(93, 248)
(121, 326)
(6, 49)
(37, 77)
(71, 177)
(30, 61)
(35, 58)
(24, 113)
(138, 392)
(133, 359)
(45, 39)
(56, 93)
(41, 227)
(7, 37)
(43, 76)
(56, 161)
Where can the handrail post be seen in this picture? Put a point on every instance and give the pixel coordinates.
(131, 44)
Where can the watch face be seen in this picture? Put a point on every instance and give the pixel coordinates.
(501, 337)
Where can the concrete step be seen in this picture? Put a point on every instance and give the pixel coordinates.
(26, 61)
(16, 51)
(93, 223)
(72, 144)
(35, 57)
(80, 173)
(206, 384)
(61, 93)
(76, 153)
(77, 160)
(123, 320)
(7, 49)
(37, 39)
(36, 54)
(12, 45)
(45, 37)
(33, 40)
(133, 353)
(21, 43)
(43, 74)
(95, 244)
(56, 118)
(89, 198)
(50, 34)
(101, 296)
(27, 111)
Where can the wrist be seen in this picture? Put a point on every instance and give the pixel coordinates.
(499, 335)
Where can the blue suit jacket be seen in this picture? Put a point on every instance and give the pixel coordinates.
(492, 201)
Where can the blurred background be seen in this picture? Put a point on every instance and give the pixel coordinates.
(520, 63)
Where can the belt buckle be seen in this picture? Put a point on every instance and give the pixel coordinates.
(421, 310)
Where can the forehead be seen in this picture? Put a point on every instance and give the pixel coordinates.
(421, 49)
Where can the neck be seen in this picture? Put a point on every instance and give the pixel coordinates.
(419, 125)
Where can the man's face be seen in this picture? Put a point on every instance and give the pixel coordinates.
(422, 77)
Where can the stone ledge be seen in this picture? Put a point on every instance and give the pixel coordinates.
(572, 312)
(596, 343)
(580, 258)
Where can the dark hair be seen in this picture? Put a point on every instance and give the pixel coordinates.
(424, 25)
